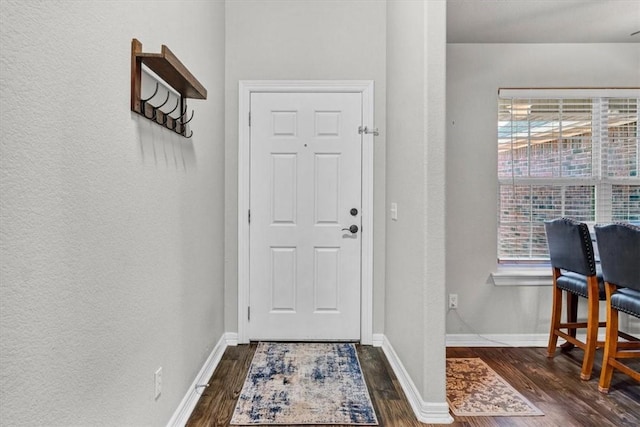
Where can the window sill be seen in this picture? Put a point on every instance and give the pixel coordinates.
(522, 276)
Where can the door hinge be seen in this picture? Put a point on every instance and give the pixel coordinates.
(249, 313)
(249, 118)
(365, 130)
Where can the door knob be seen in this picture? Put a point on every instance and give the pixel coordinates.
(353, 229)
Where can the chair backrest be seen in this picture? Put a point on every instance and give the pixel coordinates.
(619, 248)
(570, 246)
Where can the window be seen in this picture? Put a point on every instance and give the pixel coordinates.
(572, 153)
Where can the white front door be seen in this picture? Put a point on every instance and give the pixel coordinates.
(305, 194)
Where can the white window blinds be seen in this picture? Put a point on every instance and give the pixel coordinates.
(572, 153)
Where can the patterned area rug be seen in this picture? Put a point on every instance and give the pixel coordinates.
(304, 383)
(474, 390)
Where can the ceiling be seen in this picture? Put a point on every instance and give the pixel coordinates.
(543, 21)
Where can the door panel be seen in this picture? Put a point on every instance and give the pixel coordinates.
(283, 280)
(326, 280)
(305, 179)
(327, 177)
(285, 172)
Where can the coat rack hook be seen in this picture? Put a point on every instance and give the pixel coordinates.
(165, 101)
(156, 109)
(166, 115)
(190, 118)
(154, 94)
(176, 107)
(181, 116)
(175, 124)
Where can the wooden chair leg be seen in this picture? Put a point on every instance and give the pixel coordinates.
(610, 344)
(556, 311)
(592, 329)
(572, 317)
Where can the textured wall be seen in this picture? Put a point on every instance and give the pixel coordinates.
(405, 158)
(415, 266)
(111, 227)
(303, 40)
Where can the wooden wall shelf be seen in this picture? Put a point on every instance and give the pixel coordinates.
(169, 68)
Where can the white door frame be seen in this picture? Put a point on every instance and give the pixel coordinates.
(365, 87)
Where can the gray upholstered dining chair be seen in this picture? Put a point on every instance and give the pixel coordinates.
(574, 272)
(619, 247)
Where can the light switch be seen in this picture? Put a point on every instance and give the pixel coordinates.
(394, 211)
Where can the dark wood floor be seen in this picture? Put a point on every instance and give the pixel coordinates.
(553, 385)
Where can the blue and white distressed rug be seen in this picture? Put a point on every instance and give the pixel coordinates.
(304, 383)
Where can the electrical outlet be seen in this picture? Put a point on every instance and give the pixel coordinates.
(158, 382)
(453, 301)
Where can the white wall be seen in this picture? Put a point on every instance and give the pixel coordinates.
(112, 227)
(303, 40)
(415, 272)
(405, 173)
(474, 74)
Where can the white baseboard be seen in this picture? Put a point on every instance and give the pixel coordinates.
(188, 404)
(426, 412)
(497, 340)
(507, 340)
(377, 340)
(231, 338)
